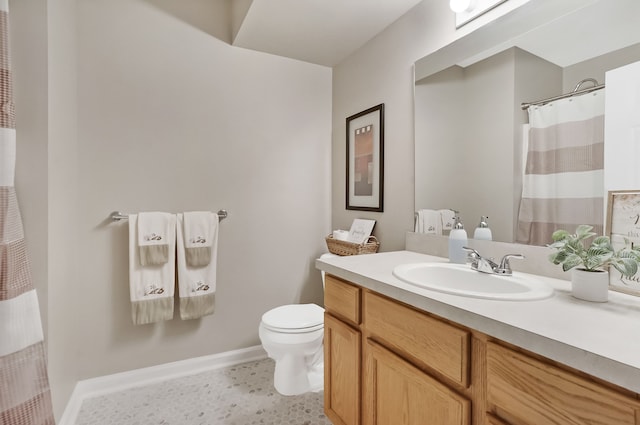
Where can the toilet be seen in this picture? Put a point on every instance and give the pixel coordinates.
(292, 336)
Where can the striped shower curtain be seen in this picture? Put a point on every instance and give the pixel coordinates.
(563, 184)
(24, 386)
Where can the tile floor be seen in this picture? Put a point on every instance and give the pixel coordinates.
(235, 395)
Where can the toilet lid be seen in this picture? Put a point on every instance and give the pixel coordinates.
(307, 317)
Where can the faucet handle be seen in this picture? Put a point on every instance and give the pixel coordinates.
(505, 267)
(473, 256)
(472, 253)
(479, 263)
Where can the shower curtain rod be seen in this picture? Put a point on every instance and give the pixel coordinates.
(575, 92)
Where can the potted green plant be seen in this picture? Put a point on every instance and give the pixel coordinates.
(589, 264)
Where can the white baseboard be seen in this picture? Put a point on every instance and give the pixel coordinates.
(149, 375)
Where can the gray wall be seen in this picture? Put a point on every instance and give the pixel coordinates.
(488, 144)
(103, 85)
(469, 136)
(129, 105)
(437, 140)
(596, 67)
(382, 72)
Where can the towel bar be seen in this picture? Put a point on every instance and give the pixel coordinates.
(117, 216)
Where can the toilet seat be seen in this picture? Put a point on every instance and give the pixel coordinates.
(294, 318)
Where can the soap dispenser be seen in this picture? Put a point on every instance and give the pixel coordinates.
(457, 240)
(482, 231)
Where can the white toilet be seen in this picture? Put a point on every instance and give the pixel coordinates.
(292, 336)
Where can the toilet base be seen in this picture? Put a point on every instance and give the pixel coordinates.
(299, 361)
(292, 376)
(294, 340)
(316, 378)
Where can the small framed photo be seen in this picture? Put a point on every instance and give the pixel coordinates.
(360, 230)
(365, 160)
(623, 227)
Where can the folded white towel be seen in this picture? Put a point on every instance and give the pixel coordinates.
(448, 219)
(154, 229)
(429, 222)
(197, 237)
(151, 287)
(197, 284)
(419, 226)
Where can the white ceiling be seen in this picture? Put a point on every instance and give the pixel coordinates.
(323, 32)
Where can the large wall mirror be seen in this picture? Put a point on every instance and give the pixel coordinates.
(468, 95)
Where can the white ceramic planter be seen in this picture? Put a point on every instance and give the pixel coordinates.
(590, 286)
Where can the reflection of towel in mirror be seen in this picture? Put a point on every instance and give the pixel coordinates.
(429, 222)
(197, 284)
(151, 287)
(448, 219)
(153, 234)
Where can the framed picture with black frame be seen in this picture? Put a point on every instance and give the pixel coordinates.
(365, 160)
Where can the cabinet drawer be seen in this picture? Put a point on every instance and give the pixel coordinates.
(422, 338)
(534, 392)
(342, 299)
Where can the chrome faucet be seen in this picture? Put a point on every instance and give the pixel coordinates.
(486, 265)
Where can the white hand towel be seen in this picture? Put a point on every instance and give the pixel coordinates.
(197, 238)
(448, 219)
(197, 284)
(429, 222)
(419, 225)
(153, 234)
(151, 287)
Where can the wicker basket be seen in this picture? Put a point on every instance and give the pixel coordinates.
(349, 248)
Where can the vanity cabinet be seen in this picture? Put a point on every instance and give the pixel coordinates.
(387, 363)
(377, 354)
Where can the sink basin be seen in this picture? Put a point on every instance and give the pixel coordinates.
(459, 279)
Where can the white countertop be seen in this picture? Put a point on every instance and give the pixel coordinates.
(601, 339)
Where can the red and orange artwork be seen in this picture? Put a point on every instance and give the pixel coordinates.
(363, 171)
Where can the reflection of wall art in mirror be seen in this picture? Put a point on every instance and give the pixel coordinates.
(365, 155)
(623, 227)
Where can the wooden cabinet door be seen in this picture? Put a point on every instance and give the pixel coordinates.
(533, 392)
(342, 353)
(493, 420)
(397, 393)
